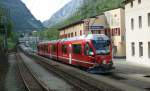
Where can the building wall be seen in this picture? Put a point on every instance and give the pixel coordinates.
(78, 28)
(137, 34)
(98, 21)
(116, 20)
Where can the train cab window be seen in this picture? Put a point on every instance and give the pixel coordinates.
(88, 50)
(64, 49)
(47, 48)
(77, 48)
(102, 47)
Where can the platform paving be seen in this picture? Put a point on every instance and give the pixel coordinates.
(129, 67)
(13, 81)
(3, 71)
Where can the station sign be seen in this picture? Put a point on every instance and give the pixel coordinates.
(96, 27)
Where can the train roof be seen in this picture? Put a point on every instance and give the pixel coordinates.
(86, 37)
(45, 42)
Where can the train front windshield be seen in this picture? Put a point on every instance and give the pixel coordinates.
(102, 47)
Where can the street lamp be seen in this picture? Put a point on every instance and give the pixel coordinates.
(87, 24)
(36, 41)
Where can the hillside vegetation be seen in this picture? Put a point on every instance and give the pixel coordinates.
(92, 8)
(89, 8)
(21, 17)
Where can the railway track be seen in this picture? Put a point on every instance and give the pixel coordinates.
(78, 84)
(118, 82)
(137, 84)
(30, 80)
(79, 81)
(123, 81)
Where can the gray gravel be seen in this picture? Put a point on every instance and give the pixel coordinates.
(53, 82)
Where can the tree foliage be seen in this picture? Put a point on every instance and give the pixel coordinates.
(6, 26)
(92, 8)
(49, 34)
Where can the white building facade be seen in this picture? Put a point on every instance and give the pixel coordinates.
(137, 14)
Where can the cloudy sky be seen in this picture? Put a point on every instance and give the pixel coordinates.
(44, 9)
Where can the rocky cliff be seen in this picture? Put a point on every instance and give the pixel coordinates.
(22, 18)
(65, 12)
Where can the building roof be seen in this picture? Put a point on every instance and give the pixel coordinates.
(127, 1)
(67, 26)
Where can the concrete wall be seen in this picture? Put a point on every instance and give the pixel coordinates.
(138, 34)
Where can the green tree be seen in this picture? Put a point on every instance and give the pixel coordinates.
(92, 8)
(6, 26)
(49, 34)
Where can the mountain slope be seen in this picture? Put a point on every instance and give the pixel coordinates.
(87, 9)
(22, 18)
(65, 12)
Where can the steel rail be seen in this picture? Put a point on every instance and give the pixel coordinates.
(30, 79)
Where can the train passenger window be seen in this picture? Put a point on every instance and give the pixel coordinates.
(88, 50)
(64, 49)
(47, 48)
(53, 48)
(77, 48)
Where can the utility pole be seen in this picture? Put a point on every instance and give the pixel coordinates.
(4, 31)
(4, 21)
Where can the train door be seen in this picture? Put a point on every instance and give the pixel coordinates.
(88, 56)
(70, 54)
(77, 52)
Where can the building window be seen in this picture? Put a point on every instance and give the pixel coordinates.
(53, 48)
(77, 48)
(149, 49)
(80, 32)
(131, 4)
(149, 19)
(65, 35)
(140, 49)
(132, 24)
(71, 34)
(119, 32)
(116, 31)
(64, 49)
(133, 48)
(139, 1)
(75, 33)
(140, 21)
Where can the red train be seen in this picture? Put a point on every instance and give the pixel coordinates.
(93, 51)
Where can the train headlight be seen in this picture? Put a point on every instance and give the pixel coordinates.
(104, 62)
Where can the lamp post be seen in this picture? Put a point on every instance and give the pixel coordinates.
(87, 24)
(36, 40)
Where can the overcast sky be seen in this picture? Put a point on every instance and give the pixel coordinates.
(44, 9)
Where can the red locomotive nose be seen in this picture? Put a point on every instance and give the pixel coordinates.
(102, 59)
